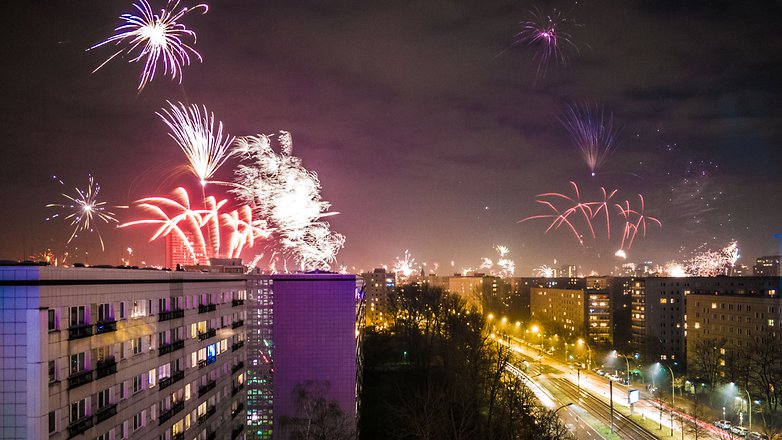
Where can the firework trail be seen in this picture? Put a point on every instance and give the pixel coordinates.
(287, 196)
(635, 219)
(593, 131)
(544, 271)
(548, 34)
(84, 209)
(176, 216)
(154, 38)
(194, 131)
(404, 268)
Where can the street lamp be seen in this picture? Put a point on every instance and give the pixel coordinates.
(589, 353)
(567, 404)
(749, 405)
(627, 363)
(673, 379)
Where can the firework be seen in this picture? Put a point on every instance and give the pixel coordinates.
(176, 216)
(286, 195)
(587, 212)
(203, 143)
(504, 267)
(593, 131)
(545, 271)
(84, 210)
(404, 268)
(547, 34)
(155, 39)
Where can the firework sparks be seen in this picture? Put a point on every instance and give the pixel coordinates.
(84, 209)
(176, 216)
(203, 143)
(287, 195)
(547, 33)
(156, 39)
(635, 219)
(404, 268)
(504, 266)
(545, 271)
(593, 131)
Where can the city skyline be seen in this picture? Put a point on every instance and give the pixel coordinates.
(429, 129)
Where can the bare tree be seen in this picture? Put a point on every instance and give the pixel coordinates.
(316, 418)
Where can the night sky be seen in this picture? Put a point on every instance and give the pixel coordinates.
(426, 125)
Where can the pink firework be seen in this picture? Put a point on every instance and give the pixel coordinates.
(547, 34)
(635, 220)
(155, 38)
(176, 216)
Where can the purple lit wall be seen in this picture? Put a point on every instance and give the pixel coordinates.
(314, 338)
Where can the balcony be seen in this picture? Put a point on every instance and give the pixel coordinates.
(171, 314)
(235, 390)
(202, 418)
(167, 414)
(237, 345)
(106, 412)
(237, 367)
(238, 323)
(106, 367)
(79, 331)
(237, 302)
(208, 334)
(203, 308)
(178, 436)
(79, 426)
(174, 378)
(206, 388)
(105, 327)
(237, 431)
(174, 346)
(238, 409)
(79, 379)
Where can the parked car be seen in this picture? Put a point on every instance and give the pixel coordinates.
(739, 430)
(756, 436)
(723, 424)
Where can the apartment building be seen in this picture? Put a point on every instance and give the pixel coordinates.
(110, 354)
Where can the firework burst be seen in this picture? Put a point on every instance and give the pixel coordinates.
(155, 39)
(404, 267)
(504, 267)
(593, 131)
(548, 34)
(200, 137)
(84, 210)
(287, 195)
(545, 271)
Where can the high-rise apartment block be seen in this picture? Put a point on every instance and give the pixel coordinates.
(110, 354)
(378, 287)
(768, 266)
(304, 328)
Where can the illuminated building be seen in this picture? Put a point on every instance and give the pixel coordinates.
(103, 353)
(735, 319)
(568, 271)
(767, 266)
(576, 312)
(378, 286)
(178, 252)
(303, 327)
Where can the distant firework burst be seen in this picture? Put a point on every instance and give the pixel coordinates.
(176, 216)
(574, 214)
(286, 195)
(547, 34)
(404, 267)
(84, 210)
(156, 39)
(504, 267)
(545, 271)
(199, 136)
(594, 132)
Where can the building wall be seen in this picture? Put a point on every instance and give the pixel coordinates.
(563, 307)
(378, 287)
(151, 354)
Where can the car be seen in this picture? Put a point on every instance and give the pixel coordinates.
(739, 430)
(756, 436)
(723, 424)
(600, 372)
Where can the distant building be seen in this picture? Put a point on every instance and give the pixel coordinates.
(100, 353)
(180, 252)
(304, 327)
(734, 320)
(564, 309)
(568, 271)
(767, 266)
(378, 287)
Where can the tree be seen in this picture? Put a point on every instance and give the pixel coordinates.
(316, 418)
(705, 359)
